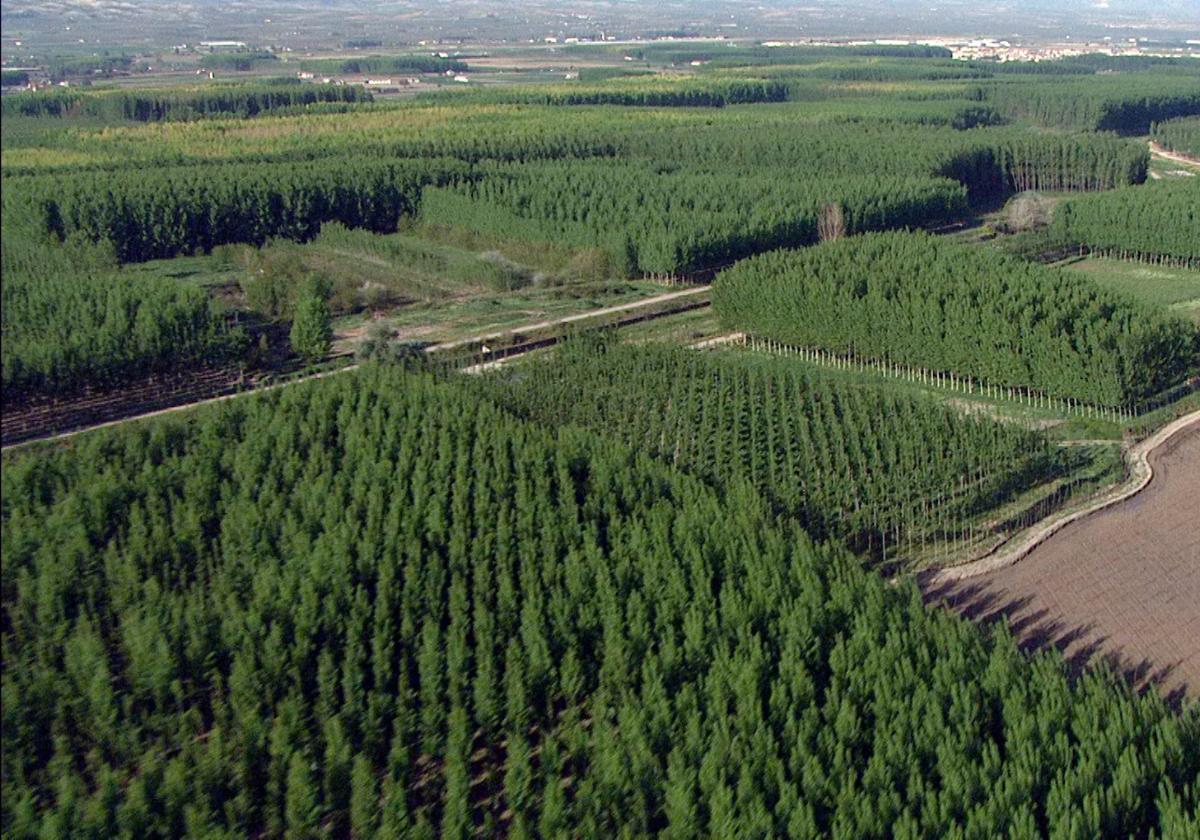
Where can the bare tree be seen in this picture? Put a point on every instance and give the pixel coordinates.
(1028, 211)
(831, 223)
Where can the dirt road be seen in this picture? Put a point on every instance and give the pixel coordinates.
(1122, 585)
(1176, 157)
(1140, 472)
(684, 298)
(691, 292)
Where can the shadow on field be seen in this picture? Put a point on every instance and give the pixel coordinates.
(1081, 646)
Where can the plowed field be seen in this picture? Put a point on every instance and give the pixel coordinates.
(1122, 584)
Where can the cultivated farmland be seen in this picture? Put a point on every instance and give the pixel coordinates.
(1120, 585)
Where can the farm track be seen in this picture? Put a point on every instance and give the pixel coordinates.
(1118, 581)
(1174, 157)
(695, 291)
(521, 342)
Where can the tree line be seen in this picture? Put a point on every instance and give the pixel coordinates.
(1122, 103)
(660, 192)
(898, 139)
(71, 317)
(377, 605)
(901, 70)
(652, 222)
(67, 66)
(680, 222)
(1178, 135)
(914, 299)
(470, 133)
(179, 210)
(1161, 219)
(644, 92)
(1015, 161)
(243, 101)
(741, 55)
(383, 64)
(842, 137)
(241, 61)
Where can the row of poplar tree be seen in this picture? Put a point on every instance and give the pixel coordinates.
(1179, 135)
(378, 605)
(924, 302)
(883, 472)
(1158, 220)
(71, 317)
(680, 222)
(165, 104)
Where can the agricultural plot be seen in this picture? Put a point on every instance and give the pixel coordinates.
(205, 183)
(1122, 103)
(897, 477)
(70, 315)
(925, 303)
(1119, 586)
(378, 603)
(1157, 224)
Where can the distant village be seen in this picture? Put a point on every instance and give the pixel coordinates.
(994, 49)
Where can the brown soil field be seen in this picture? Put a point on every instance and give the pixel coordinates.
(1122, 585)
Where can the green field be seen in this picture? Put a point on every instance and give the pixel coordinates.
(485, 312)
(1177, 289)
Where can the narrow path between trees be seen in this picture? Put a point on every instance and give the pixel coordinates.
(1175, 157)
(636, 311)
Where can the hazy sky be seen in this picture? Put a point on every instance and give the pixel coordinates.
(303, 23)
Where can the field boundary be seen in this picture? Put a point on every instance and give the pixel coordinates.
(1141, 473)
(523, 339)
(951, 381)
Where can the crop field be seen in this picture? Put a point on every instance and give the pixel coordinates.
(562, 452)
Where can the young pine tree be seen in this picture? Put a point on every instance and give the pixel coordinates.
(301, 809)
(365, 806)
(312, 330)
